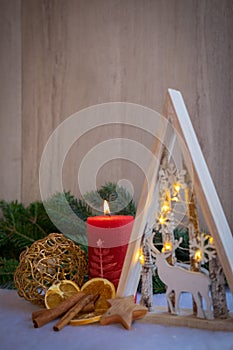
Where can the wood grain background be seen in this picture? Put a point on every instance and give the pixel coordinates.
(59, 56)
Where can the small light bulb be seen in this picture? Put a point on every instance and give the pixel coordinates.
(142, 259)
(162, 220)
(176, 186)
(140, 256)
(167, 247)
(198, 255)
(211, 240)
(165, 207)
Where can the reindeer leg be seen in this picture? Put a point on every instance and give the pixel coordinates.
(208, 300)
(197, 298)
(177, 297)
(168, 296)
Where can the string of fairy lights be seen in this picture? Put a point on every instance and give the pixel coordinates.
(177, 208)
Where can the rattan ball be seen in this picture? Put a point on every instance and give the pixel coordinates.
(49, 260)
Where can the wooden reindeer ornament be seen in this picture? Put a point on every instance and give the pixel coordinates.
(180, 280)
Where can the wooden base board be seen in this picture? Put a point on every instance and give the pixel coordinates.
(159, 315)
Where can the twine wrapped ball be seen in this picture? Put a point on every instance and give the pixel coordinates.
(51, 259)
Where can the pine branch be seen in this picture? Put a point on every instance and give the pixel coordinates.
(119, 200)
(7, 270)
(60, 207)
(14, 226)
(20, 226)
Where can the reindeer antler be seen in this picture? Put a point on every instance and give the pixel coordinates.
(177, 243)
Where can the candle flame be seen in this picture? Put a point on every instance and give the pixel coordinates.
(106, 208)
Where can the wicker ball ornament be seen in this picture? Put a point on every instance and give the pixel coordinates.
(49, 260)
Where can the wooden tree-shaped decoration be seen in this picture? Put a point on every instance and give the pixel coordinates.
(147, 272)
(184, 138)
(171, 183)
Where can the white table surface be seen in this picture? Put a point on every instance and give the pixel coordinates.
(17, 332)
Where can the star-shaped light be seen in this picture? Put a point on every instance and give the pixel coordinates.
(124, 311)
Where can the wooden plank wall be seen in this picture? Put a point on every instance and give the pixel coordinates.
(79, 53)
(10, 100)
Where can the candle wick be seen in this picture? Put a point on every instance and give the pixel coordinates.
(108, 214)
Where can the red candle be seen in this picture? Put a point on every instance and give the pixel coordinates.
(108, 238)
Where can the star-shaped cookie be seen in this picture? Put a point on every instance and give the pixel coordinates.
(124, 311)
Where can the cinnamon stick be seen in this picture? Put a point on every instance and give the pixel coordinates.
(38, 313)
(41, 317)
(85, 300)
(88, 308)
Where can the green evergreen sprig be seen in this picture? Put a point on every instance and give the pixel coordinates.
(20, 226)
(61, 207)
(120, 201)
(7, 269)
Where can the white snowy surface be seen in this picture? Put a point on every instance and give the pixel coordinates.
(17, 332)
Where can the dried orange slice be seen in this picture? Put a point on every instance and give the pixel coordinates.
(101, 287)
(59, 292)
(83, 319)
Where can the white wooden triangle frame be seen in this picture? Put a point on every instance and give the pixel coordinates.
(205, 192)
